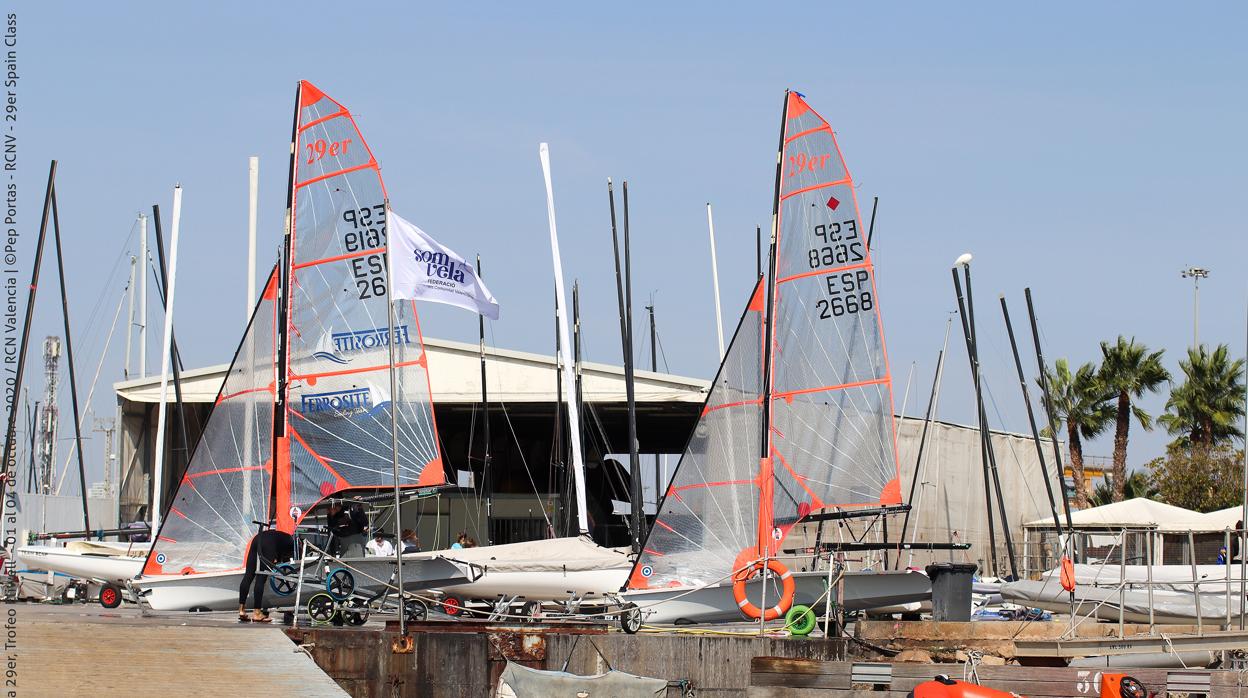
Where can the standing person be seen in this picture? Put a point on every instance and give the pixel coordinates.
(268, 548)
(339, 523)
(411, 544)
(461, 541)
(1235, 551)
(353, 533)
(470, 543)
(379, 546)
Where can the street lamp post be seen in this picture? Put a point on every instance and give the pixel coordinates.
(1195, 274)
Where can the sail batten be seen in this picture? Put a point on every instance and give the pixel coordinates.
(799, 417)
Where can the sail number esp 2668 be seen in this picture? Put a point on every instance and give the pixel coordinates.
(848, 293)
(843, 245)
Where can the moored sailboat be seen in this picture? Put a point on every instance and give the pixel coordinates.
(296, 423)
(799, 417)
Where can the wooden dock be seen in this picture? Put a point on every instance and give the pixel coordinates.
(78, 650)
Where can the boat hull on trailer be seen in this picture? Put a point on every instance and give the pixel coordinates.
(218, 591)
(107, 562)
(543, 570)
(716, 604)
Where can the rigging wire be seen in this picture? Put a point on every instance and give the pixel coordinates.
(82, 418)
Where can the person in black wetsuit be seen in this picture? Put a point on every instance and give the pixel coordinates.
(270, 547)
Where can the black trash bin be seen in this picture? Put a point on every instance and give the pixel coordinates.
(951, 590)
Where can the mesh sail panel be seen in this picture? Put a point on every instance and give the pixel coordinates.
(226, 485)
(338, 398)
(710, 512)
(831, 412)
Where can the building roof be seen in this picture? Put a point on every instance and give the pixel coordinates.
(455, 377)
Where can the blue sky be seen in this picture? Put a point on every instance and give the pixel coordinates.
(1090, 151)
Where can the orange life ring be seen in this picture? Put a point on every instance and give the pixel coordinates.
(787, 589)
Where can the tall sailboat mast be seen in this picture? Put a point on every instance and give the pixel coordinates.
(765, 476)
(574, 420)
(283, 316)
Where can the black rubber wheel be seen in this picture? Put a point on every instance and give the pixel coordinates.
(283, 587)
(340, 584)
(110, 596)
(355, 614)
(630, 619)
(322, 608)
(416, 611)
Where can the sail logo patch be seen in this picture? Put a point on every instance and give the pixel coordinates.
(160, 558)
(647, 571)
(342, 344)
(807, 163)
(338, 401)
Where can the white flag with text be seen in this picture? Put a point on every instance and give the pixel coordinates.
(425, 270)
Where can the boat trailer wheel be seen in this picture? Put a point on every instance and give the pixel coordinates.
(630, 619)
(340, 584)
(452, 606)
(280, 586)
(322, 607)
(355, 614)
(110, 596)
(416, 611)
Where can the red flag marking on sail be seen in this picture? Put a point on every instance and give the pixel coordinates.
(833, 202)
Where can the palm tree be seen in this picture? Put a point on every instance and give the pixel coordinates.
(1128, 371)
(1138, 484)
(1206, 409)
(1081, 402)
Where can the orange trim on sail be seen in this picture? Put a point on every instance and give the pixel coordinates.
(815, 502)
(758, 301)
(342, 483)
(270, 388)
(788, 395)
(222, 471)
(309, 94)
(825, 272)
(363, 369)
(807, 132)
(432, 474)
(281, 472)
(814, 187)
(891, 494)
(796, 107)
(766, 504)
(336, 115)
(700, 485)
(346, 170)
(339, 258)
(709, 409)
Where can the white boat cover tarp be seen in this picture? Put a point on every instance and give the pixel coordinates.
(1168, 606)
(519, 681)
(1212, 578)
(551, 555)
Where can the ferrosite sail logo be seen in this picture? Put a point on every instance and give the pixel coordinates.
(341, 347)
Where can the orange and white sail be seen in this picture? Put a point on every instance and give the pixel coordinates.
(800, 415)
(304, 412)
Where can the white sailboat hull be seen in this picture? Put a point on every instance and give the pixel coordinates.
(716, 604)
(105, 562)
(543, 570)
(219, 591)
(542, 586)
